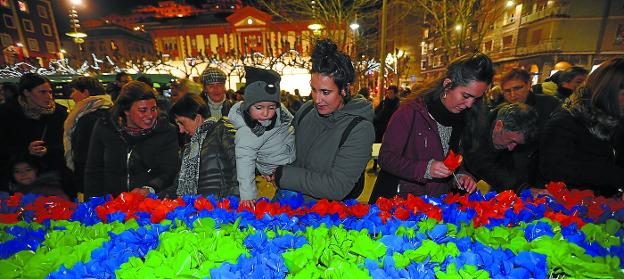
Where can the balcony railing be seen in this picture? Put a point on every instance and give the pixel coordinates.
(550, 45)
(502, 53)
(559, 10)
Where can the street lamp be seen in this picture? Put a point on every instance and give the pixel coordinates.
(316, 28)
(354, 26)
(74, 23)
(509, 4)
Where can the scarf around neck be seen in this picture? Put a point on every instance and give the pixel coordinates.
(34, 111)
(215, 108)
(188, 179)
(446, 118)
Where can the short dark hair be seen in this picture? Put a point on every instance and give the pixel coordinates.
(131, 92)
(119, 75)
(327, 60)
(364, 92)
(516, 73)
(394, 89)
(190, 105)
(28, 81)
(88, 83)
(519, 117)
(27, 159)
(145, 79)
(572, 72)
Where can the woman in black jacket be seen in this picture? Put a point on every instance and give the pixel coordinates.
(32, 124)
(209, 160)
(133, 149)
(578, 143)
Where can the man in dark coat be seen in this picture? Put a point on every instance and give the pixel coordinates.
(491, 154)
(213, 81)
(516, 88)
(114, 88)
(383, 112)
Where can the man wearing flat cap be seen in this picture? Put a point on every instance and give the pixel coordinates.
(213, 80)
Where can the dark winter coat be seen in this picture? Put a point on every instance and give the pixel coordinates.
(17, 131)
(500, 168)
(410, 142)
(382, 116)
(118, 162)
(545, 105)
(570, 153)
(217, 168)
(80, 143)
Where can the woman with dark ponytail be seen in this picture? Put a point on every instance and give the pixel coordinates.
(333, 132)
(423, 131)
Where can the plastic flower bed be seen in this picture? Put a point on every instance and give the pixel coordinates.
(570, 233)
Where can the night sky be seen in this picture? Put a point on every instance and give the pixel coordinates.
(99, 8)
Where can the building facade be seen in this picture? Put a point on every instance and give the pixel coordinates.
(246, 31)
(28, 32)
(119, 43)
(537, 34)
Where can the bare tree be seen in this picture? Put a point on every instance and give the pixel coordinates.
(460, 24)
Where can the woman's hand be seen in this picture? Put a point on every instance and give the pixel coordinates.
(140, 191)
(439, 170)
(269, 178)
(248, 203)
(466, 182)
(37, 148)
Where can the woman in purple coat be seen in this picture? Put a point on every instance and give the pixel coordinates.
(426, 127)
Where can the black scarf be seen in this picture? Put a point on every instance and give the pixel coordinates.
(446, 118)
(563, 92)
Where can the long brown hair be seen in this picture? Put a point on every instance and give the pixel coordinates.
(603, 87)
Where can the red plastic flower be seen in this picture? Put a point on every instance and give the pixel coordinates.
(453, 161)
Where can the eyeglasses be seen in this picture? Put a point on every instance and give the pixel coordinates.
(513, 89)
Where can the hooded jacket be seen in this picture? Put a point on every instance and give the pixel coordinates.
(274, 147)
(322, 169)
(118, 162)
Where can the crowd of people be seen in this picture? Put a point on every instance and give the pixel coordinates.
(202, 139)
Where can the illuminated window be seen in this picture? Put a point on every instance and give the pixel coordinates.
(28, 26)
(5, 40)
(51, 47)
(507, 41)
(8, 22)
(43, 12)
(33, 44)
(22, 6)
(45, 29)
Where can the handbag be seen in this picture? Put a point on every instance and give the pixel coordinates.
(386, 184)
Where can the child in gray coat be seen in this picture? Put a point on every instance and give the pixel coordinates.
(264, 137)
